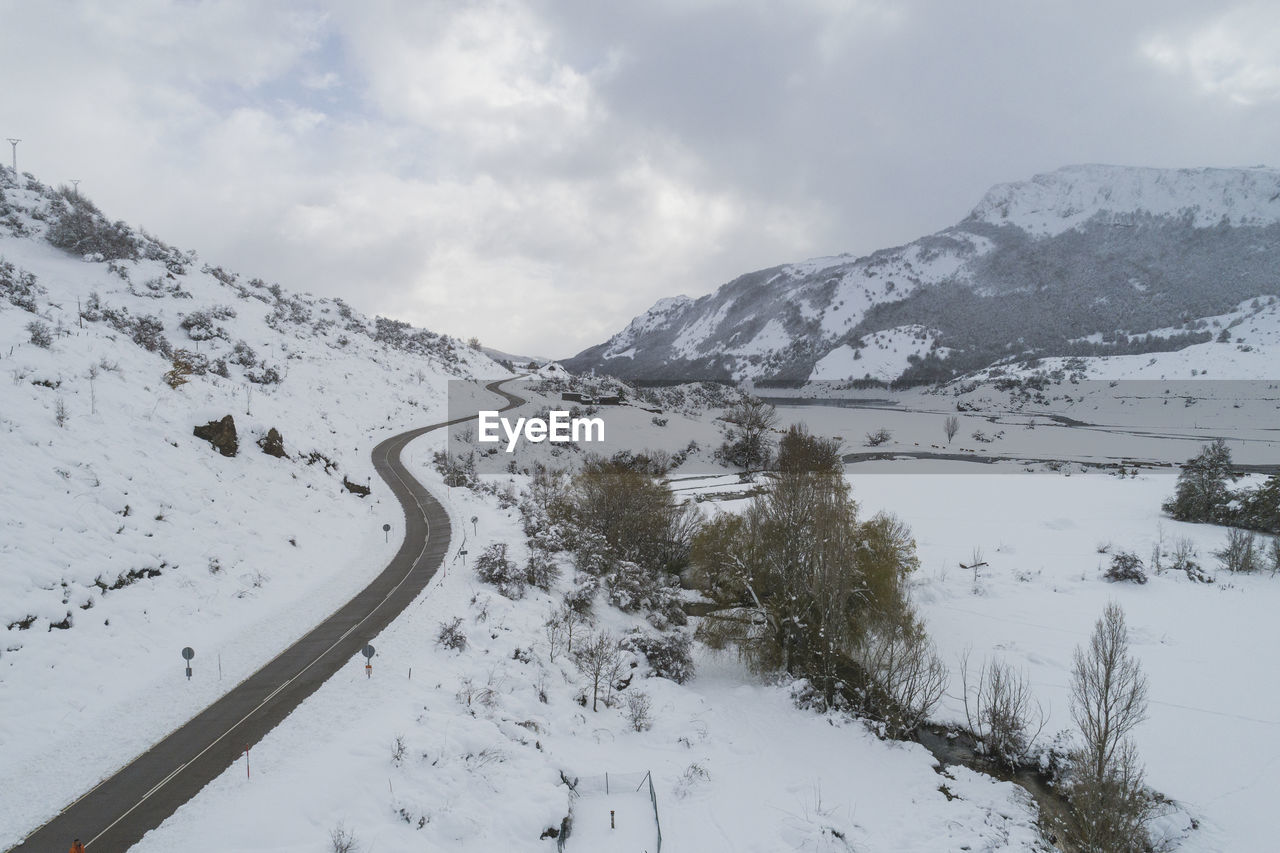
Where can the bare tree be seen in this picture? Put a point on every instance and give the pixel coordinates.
(905, 676)
(1108, 690)
(600, 660)
(951, 426)
(1108, 699)
(1001, 710)
(640, 711)
(342, 840)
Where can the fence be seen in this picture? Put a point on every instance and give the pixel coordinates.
(607, 784)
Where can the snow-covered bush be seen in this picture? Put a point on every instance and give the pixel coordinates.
(243, 355)
(451, 635)
(199, 326)
(495, 567)
(80, 228)
(1126, 566)
(541, 570)
(668, 655)
(19, 286)
(40, 334)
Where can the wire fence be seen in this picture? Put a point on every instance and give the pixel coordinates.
(606, 785)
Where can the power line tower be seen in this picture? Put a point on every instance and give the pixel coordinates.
(75, 187)
(14, 142)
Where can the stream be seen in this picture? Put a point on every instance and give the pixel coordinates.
(951, 748)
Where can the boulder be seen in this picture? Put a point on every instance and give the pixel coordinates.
(221, 434)
(272, 444)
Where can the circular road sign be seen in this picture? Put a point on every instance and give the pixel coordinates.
(188, 653)
(368, 651)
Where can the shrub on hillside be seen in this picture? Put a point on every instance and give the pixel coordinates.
(495, 567)
(668, 655)
(1126, 566)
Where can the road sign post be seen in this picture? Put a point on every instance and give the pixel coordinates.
(368, 652)
(386, 532)
(187, 654)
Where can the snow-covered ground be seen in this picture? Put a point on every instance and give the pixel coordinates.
(124, 538)
(735, 765)
(1212, 741)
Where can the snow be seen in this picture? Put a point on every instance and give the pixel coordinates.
(881, 355)
(1061, 200)
(735, 764)
(251, 551)
(1212, 741)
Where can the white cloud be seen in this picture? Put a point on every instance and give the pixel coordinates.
(1236, 55)
(535, 172)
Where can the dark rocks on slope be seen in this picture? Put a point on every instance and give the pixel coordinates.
(272, 444)
(221, 434)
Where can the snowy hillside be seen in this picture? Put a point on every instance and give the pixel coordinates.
(1087, 260)
(123, 536)
(1058, 201)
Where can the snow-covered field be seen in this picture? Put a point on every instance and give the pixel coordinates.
(1212, 741)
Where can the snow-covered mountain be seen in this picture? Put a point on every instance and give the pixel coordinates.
(1087, 260)
(123, 535)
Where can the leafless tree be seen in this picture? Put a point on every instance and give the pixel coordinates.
(951, 426)
(1001, 711)
(640, 711)
(342, 840)
(905, 676)
(600, 660)
(1108, 690)
(1108, 699)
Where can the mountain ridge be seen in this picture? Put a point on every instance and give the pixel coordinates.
(1036, 266)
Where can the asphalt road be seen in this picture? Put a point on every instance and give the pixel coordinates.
(120, 810)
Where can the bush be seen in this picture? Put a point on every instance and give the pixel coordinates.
(243, 355)
(905, 678)
(19, 286)
(80, 229)
(40, 334)
(1241, 553)
(265, 376)
(668, 655)
(199, 326)
(495, 567)
(148, 332)
(640, 711)
(541, 571)
(879, 437)
(451, 635)
(1000, 710)
(1183, 559)
(1126, 566)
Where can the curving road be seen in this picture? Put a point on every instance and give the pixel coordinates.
(120, 810)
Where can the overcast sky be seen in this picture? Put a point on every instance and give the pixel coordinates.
(535, 173)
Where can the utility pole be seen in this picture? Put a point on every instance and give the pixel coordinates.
(14, 143)
(75, 187)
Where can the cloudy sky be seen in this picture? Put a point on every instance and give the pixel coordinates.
(536, 172)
